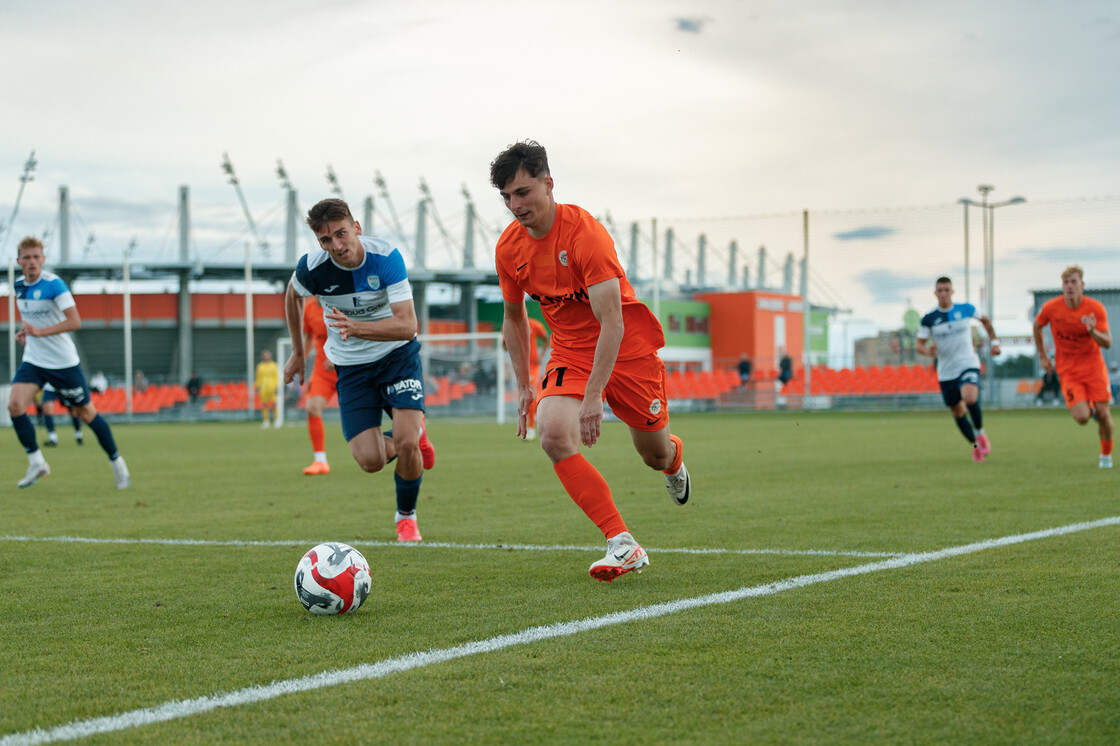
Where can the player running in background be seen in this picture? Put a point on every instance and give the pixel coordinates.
(45, 405)
(538, 356)
(320, 385)
(266, 381)
(371, 339)
(1079, 327)
(604, 345)
(949, 326)
(49, 314)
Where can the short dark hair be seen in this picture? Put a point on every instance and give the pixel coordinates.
(527, 154)
(327, 211)
(941, 280)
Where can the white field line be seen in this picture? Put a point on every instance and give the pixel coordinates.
(442, 545)
(177, 709)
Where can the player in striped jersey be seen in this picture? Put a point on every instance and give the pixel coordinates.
(49, 315)
(946, 332)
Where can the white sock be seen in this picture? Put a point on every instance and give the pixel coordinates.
(404, 517)
(321, 456)
(36, 458)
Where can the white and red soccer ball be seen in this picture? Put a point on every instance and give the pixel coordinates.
(332, 578)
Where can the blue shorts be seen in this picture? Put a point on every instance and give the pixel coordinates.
(69, 383)
(951, 390)
(396, 381)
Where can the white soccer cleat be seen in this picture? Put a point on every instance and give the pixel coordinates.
(1106, 463)
(34, 472)
(120, 473)
(679, 485)
(623, 555)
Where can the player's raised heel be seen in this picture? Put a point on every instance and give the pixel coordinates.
(120, 473)
(34, 473)
(679, 485)
(623, 555)
(985, 444)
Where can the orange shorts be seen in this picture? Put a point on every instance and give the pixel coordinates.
(635, 392)
(323, 383)
(1078, 387)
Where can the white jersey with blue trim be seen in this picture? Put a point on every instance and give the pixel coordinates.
(951, 329)
(363, 293)
(43, 303)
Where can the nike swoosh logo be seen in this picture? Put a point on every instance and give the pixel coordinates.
(620, 557)
(650, 422)
(523, 266)
(332, 287)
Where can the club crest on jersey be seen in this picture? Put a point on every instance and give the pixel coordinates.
(564, 258)
(374, 282)
(36, 294)
(655, 407)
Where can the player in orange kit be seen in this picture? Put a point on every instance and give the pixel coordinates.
(604, 346)
(1079, 326)
(320, 384)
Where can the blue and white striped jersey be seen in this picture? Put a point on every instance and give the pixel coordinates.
(951, 329)
(363, 293)
(41, 304)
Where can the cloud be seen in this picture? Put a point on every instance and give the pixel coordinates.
(690, 25)
(890, 286)
(866, 232)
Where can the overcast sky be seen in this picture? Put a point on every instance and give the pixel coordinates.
(649, 108)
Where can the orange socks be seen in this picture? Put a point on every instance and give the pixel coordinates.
(318, 435)
(591, 493)
(676, 465)
(1106, 447)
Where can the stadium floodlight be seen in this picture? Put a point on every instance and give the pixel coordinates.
(332, 179)
(988, 214)
(28, 175)
(227, 168)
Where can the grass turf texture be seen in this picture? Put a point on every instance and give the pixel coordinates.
(1013, 644)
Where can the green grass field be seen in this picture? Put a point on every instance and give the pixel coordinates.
(1016, 643)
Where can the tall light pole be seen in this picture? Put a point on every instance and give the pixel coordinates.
(988, 214)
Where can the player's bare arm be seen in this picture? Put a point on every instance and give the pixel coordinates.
(1104, 339)
(987, 324)
(1043, 359)
(401, 325)
(293, 316)
(606, 304)
(926, 348)
(72, 323)
(515, 332)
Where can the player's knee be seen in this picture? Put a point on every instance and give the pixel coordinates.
(15, 409)
(555, 445)
(370, 463)
(1081, 418)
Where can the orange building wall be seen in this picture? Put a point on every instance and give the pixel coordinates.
(744, 322)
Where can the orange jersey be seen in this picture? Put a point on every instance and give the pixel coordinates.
(556, 271)
(315, 326)
(1075, 352)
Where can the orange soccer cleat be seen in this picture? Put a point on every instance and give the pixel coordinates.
(408, 531)
(427, 450)
(317, 467)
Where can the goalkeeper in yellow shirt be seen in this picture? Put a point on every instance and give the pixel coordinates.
(266, 382)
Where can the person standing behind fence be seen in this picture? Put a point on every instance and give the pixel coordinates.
(49, 315)
(949, 326)
(1079, 326)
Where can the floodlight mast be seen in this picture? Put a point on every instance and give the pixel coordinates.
(28, 175)
(424, 190)
(383, 190)
(227, 167)
(336, 188)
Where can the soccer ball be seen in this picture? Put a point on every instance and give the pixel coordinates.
(332, 578)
